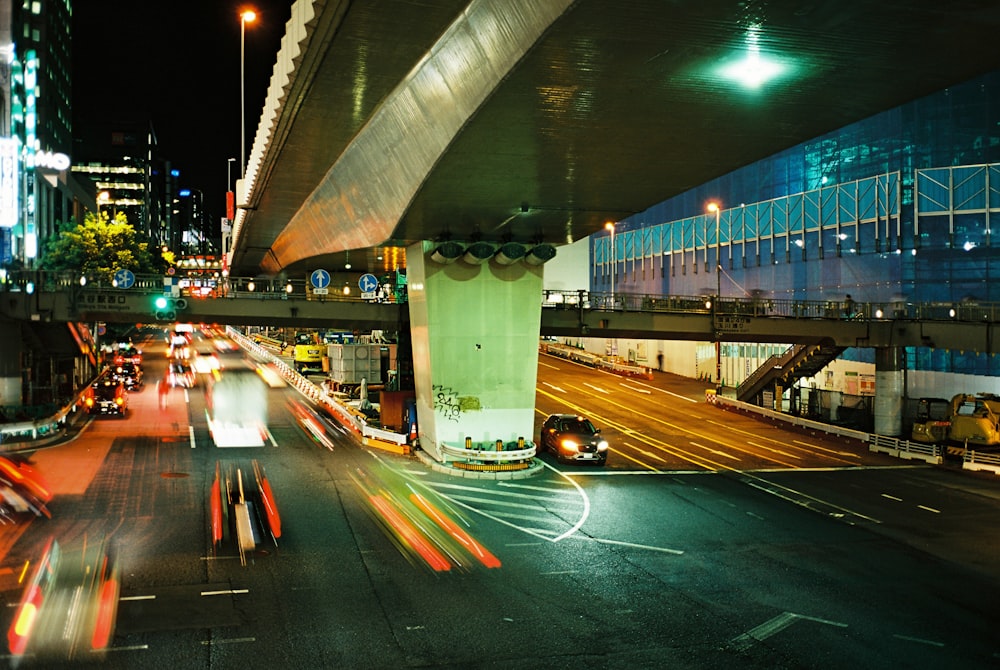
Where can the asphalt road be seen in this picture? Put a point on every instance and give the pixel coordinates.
(710, 540)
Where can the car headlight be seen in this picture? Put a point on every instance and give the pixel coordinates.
(569, 445)
(602, 445)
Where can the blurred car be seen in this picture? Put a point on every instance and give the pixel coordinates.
(128, 374)
(126, 352)
(224, 344)
(107, 397)
(206, 363)
(270, 374)
(573, 438)
(180, 374)
(178, 343)
(22, 489)
(68, 607)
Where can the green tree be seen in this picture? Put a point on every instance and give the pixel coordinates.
(99, 247)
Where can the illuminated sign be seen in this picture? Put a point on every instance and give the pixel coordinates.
(8, 182)
(47, 159)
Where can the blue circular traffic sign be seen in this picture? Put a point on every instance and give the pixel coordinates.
(124, 278)
(368, 283)
(319, 278)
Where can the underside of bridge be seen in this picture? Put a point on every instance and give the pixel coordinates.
(395, 122)
(477, 136)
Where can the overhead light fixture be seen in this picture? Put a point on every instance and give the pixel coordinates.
(540, 254)
(478, 253)
(510, 253)
(447, 252)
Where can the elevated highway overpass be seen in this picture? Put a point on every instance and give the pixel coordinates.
(966, 326)
(391, 123)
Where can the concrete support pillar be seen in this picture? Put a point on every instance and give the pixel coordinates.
(10, 364)
(890, 382)
(474, 326)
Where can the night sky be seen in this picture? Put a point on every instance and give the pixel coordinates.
(177, 64)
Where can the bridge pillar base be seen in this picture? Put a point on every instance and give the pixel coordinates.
(474, 330)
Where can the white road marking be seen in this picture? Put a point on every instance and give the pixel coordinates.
(225, 592)
(137, 598)
(231, 640)
(775, 451)
(191, 436)
(816, 447)
(919, 640)
(554, 387)
(681, 397)
(646, 453)
(929, 509)
(886, 495)
(637, 390)
(597, 388)
(775, 625)
(718, 453)
(619, 543)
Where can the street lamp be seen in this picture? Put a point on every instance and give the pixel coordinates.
(246, 16)
(229, 173)
(103, 198)
(610, 225)
(717, 209)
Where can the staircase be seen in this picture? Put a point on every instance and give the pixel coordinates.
(798, 361)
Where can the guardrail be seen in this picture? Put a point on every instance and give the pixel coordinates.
(905, 449)
(717, 399)
(975, 460)
(502, 456)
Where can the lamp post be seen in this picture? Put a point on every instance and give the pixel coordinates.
(246, 16)
(610, 225)
(229, 173)
(717, 210)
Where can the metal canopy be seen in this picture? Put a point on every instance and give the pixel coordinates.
(499, 121)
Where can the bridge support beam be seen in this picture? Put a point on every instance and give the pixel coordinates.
(474, 329)
(10, 363)
(890, 387)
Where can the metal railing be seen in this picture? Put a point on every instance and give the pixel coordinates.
(964, 311)
(279, 289)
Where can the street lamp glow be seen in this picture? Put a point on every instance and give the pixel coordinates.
(246, 16)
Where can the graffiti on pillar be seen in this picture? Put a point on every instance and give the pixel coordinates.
(450, 405)
(446, 402)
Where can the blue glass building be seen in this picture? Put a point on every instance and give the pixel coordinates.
(896, 207)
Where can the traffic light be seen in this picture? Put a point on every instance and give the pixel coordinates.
(165, 308)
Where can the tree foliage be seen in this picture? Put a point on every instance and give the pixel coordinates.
(99, 247)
